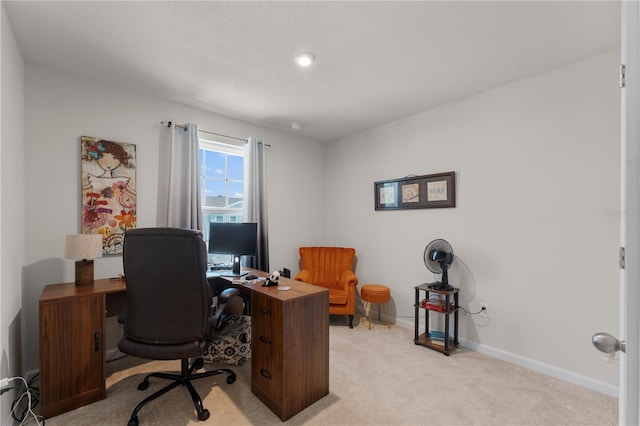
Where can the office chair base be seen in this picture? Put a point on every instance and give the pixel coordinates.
(184, 379)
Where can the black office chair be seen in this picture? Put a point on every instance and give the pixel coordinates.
(170, 312)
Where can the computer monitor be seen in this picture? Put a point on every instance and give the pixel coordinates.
(236, 239)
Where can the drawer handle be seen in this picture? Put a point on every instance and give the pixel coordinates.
(265, 373)
(264, 311)
(265, 340)
(96, 342)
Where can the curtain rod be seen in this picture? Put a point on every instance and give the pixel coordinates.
(182, 126)
(168, 124)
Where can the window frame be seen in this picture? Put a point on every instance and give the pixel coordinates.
(230, 214)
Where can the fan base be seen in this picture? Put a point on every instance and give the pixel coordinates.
(440, 286)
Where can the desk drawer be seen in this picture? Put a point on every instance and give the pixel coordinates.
(266, 377)
(266, 350)
(266, 326)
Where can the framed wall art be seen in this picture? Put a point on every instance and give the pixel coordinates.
(108, 182)
(416, 192)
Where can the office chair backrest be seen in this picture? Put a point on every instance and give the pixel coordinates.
(169, 298)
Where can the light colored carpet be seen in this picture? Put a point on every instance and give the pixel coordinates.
(377, 377)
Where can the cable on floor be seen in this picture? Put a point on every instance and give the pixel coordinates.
(22, 407)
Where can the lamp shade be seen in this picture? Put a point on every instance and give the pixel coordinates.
(83, 246)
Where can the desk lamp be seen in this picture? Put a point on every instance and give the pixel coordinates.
(85, 247)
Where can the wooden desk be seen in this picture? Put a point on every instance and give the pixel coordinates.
(290, 344)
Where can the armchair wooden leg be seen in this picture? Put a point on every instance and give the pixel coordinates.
(350, 321)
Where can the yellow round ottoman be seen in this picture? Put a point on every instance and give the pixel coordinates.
(379, 294)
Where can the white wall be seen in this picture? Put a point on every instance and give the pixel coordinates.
(537, 169)
(60, 108)
(12, 205)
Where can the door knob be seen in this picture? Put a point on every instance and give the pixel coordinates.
(604, 342)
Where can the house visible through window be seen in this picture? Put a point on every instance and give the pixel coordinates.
(221, 187)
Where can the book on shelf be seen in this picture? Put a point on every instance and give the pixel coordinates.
(432, 307)
(434, 304)
(436, 335)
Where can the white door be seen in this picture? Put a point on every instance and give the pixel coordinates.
(629, 393)
(629, 396)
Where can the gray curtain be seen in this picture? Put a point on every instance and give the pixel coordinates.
(255, 199)
(183, 204)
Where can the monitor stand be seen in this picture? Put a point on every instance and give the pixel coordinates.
(235, 272)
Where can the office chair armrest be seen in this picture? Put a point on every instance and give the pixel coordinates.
(227, 294)
(219, 316)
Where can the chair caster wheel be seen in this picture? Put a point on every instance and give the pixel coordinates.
(198, 364)
(143, 386)
(133, 421)
(204, 415)
(231, 378)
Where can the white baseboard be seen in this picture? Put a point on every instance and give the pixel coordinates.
(531, 364)
(541, 367)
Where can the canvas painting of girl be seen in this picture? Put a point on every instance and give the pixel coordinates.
(108, 191)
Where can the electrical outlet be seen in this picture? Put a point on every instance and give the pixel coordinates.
(484, 310)
(4, 382)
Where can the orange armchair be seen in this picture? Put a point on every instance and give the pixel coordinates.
(331, 268)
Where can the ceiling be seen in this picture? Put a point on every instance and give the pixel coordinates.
(375, 61)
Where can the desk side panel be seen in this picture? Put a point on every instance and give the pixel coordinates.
(306, 352)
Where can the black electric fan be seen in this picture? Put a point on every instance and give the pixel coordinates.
(438, 257)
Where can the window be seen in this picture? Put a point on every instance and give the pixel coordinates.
(221, 186)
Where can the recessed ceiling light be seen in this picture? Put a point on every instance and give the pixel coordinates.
(304, 59)
(296, 125)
